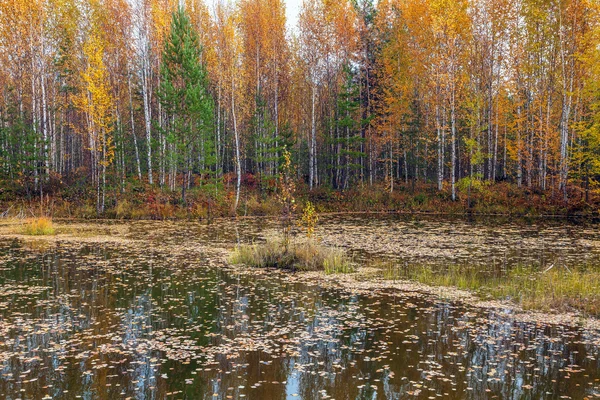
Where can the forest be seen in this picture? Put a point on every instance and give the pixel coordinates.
(363, 199)
(189, 103)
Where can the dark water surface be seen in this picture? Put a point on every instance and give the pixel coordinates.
(136, 320)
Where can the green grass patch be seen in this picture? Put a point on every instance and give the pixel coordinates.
(556, 288)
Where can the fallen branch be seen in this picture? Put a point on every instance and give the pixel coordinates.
(548, 269)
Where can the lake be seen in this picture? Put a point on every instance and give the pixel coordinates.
(150, 310)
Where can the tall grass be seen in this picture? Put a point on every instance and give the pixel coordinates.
(38, 227)
(337, 263)
(306, 255)
(558, 289)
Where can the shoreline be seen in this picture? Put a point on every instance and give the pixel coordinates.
(450, 215)
(434, 294)
(144, 202)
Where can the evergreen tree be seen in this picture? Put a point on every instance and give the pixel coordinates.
(183, 93)
(349, 126)
(263, 139)
(17, 152)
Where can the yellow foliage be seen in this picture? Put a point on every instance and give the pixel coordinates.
(310, 219)
(96, 101)
(39, 226)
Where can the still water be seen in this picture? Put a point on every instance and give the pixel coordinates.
(157, 316)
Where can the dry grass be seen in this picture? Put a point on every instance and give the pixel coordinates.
(307, 255)
(39, 227)
(255, 205)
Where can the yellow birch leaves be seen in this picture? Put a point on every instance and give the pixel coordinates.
(95, 99)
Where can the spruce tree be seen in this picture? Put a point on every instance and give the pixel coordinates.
(183, 93)
(349, 125)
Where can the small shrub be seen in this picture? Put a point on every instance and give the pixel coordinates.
(199, 211)
(420, 199)
(141, 212)
(309, 219)
(39, 227)
(286, 196)
(87, 210)
(123, 209)
(163, 211)
(257, 207)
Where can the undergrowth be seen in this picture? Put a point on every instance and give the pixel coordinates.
(151, 202)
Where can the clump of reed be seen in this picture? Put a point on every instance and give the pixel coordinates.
(305, 255)
(39, 226)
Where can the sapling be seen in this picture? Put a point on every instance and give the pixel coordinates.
(287, 190)
(309, 219)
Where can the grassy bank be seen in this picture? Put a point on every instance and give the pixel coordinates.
(554, 289)
(147, 202)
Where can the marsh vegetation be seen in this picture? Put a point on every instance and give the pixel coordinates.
(299, 255)
(38, 226)
(553, 289)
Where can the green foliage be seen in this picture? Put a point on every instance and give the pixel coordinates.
(348, 124)
(555, 288)
(420, 199)
(18, 152)
(474, 183)
(184, 95)
(473, 148)
(286, 142)
(586, 154)
(265, 142)
(337, 263)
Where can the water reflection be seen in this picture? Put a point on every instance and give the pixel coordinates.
(80, 321)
